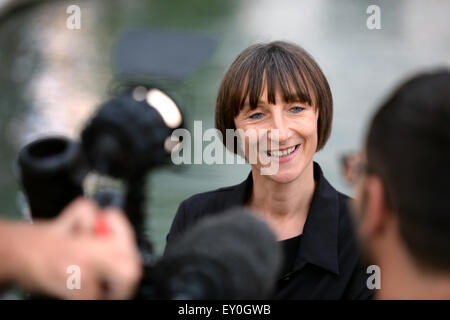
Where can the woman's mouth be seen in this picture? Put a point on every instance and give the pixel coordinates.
(284, 154)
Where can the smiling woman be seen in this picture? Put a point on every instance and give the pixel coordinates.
(296, 138)
(265, 70)
(278, 88)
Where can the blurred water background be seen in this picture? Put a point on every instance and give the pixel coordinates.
(53, 78)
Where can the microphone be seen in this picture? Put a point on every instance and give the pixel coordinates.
(233, 255)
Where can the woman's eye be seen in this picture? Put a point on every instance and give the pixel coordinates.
(297, 109)
(257, 115)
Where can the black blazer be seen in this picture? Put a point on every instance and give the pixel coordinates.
(327, 263)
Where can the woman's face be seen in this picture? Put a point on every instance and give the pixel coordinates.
(297, 135)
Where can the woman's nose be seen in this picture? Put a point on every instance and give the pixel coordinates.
(282, 126)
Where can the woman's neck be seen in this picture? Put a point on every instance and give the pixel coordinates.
(284, 206)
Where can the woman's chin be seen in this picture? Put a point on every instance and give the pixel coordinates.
(284, 176)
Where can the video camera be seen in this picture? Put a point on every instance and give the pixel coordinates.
(123, 141)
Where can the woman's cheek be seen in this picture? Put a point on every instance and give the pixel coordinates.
(251, 140)
(306, 128)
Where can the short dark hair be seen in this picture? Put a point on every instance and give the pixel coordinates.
(280, 66)
(408, 147)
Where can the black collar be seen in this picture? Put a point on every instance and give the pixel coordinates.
(319, 245)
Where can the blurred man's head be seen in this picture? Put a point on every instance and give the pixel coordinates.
(403, 197)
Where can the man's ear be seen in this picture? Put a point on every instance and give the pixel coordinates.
(377, 212)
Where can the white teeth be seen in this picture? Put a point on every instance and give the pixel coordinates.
(278, 154)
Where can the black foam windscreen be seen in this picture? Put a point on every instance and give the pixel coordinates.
(233, 255)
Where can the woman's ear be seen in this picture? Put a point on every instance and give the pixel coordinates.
(378, 214)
